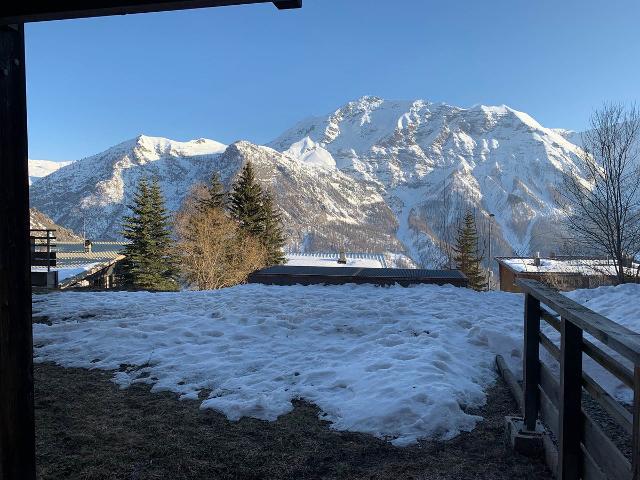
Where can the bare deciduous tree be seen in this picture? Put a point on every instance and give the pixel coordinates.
(603, 201)
(214, 251)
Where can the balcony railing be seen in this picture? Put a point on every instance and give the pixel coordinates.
(584, 450)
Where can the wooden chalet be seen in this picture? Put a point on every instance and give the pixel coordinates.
(563, 273)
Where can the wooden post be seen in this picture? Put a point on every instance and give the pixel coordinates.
(635, 455)
(531, 360)
(17, 432)
(570, 417)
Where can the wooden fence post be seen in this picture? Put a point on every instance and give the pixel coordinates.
(570, 418)
(635, 456)
(531, 360)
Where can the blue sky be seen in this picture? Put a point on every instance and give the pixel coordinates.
(250, 72)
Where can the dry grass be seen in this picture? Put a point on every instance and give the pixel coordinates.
(89, 429)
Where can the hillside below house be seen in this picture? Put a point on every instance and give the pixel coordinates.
(374, 175)
(38, 220)
(564, 273)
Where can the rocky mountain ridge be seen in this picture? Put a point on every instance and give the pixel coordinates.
(376, 175)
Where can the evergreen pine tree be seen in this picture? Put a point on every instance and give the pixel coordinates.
(466, 253)
(164, 263)
(149, 263)
(273, 236)
(253, 208)
(137, 232)
(246, 202)
(215, 197)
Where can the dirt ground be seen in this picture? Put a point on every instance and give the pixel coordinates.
(89, 429)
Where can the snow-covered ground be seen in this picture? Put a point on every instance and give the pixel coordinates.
(399, 363)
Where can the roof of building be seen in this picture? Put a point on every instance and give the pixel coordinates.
(73, 264)
(369, 260)
(308, 275)
(591, 266)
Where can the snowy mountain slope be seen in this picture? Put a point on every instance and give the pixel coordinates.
(42, 168)
(374, 175)
(421, 156)
(38, 220)
(323, 207)
(320, 206)
(97, 189)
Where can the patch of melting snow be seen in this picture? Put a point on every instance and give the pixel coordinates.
(398, 363)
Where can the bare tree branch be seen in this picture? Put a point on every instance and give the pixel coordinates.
(602, 199)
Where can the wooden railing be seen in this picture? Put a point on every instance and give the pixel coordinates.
(43, 247)
(584, 450)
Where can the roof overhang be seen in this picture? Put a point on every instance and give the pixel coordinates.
(12, 12)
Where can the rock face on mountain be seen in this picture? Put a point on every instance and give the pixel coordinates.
(432, 161)
(374, 175)
(38, 220)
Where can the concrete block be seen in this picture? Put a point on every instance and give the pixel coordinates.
(525, 442)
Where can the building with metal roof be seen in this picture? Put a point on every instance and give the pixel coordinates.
(313, 275)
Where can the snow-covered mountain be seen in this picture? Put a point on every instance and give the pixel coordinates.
(373, 175)
(431, 161)
(42, 168)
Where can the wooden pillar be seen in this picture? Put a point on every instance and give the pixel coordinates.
(635, 456)
(17, 432)
(531, 360)
(570, 419)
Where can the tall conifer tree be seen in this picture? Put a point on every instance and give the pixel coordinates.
(246, 202)
(137, 232)
(466, 254)
(253, 208)
(215, 197)
(150, 262)
(273, 236)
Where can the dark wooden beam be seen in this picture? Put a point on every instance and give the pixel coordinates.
(570, 422)
(17, 433)
(531, 373)
(287, 4)
(38, 10)
(618, 337)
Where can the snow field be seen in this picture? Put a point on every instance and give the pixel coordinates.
(398, 363)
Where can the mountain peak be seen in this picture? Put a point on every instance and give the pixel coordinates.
(309, 153)
(369, 100)
(158, 146)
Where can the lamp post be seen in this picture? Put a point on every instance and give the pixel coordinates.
(491, 216)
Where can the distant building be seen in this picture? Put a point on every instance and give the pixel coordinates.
(562, 272)
(74, 265)
(340, 275)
